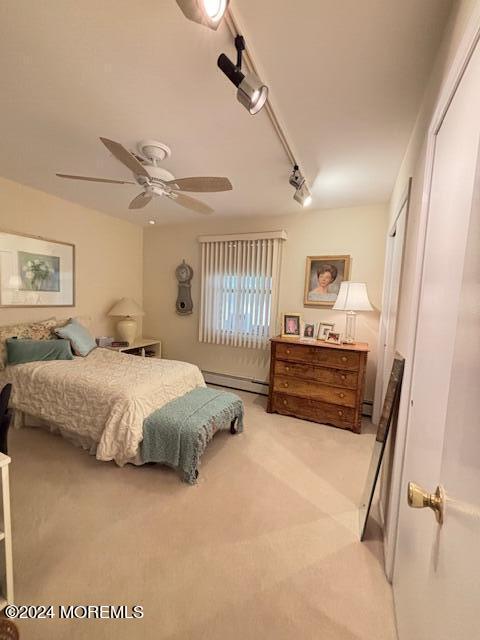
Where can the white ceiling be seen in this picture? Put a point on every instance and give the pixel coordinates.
(346, 76)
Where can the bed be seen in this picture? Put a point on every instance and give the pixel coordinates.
(99, 401)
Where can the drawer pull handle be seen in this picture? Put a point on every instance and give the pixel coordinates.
(285, 384)
(343, 377)
(340, 413)
(285, 402)
(344, 358)
(342, 395)
(288, 352)
(287, 368)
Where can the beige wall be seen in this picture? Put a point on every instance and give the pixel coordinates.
(414, 165)
(359, 232)
(108, 252)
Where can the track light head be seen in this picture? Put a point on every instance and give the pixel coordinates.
(302, 193)
(303, 196)
(206, 12)
(251, 92)
(296, 178)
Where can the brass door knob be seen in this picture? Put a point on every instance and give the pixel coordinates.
(418, 498)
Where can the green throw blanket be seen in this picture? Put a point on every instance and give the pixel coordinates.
(178, 433)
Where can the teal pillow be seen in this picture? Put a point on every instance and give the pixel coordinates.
(80, 338)
(21, 351)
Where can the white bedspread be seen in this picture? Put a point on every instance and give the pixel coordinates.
(103, 397)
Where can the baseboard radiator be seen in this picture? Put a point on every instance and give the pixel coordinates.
(236, 382)
(255, 386)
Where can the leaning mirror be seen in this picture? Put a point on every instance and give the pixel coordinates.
(388, 417)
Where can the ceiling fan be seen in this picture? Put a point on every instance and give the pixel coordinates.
(156, 181)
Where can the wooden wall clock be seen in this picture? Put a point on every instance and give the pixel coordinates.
(184, 275)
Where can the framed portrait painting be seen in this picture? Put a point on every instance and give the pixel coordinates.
(323, 277)
(36, 272)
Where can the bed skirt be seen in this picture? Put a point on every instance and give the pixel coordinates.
(22, 419)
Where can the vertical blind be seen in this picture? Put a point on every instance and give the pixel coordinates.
(240, 281)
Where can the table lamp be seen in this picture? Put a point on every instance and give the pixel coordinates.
(127, 326)
(351, 298)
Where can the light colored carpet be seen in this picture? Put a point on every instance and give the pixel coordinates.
(264, 548)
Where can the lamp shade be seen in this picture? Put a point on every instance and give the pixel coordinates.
(126, 307)
(353, 296)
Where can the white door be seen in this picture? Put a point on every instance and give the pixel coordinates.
(436, 579)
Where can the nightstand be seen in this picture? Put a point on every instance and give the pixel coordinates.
(142, 345)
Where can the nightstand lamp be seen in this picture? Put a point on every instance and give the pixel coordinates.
(127, 326)
(352, 297)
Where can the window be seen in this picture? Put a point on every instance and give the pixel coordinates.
(240, 278)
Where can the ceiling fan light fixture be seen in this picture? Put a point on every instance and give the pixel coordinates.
(206, 12)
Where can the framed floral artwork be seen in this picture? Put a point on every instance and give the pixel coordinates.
(36, 272)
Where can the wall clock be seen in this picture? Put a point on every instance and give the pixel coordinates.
(184, 274)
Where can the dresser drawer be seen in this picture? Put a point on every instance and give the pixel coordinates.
(341, 358)
(334, 377)
(315, 391)
(313, 410)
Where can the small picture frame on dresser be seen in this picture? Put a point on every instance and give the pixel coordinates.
(334, 337)
(308, 332)
(291, 325)
(323, 329)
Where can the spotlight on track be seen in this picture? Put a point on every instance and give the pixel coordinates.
(251, 92)
(302, 193)
(206, 12)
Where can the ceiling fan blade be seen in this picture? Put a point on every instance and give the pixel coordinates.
(190, 203)
(125, 157)
(66, 175)
(201, 184)
(140, 201)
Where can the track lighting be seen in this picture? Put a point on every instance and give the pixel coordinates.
(251, 92)
(302, 193)
(206, 12)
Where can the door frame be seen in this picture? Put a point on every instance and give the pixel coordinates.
(402, 208)
(465, 49)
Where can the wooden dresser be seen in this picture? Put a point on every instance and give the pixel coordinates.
(318, 381)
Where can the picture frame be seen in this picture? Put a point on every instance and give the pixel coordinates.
(309, 332)
(323, 277)
(36, 271)
(388, 418)
(323, 329)
(334, 337)
(291, 325)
